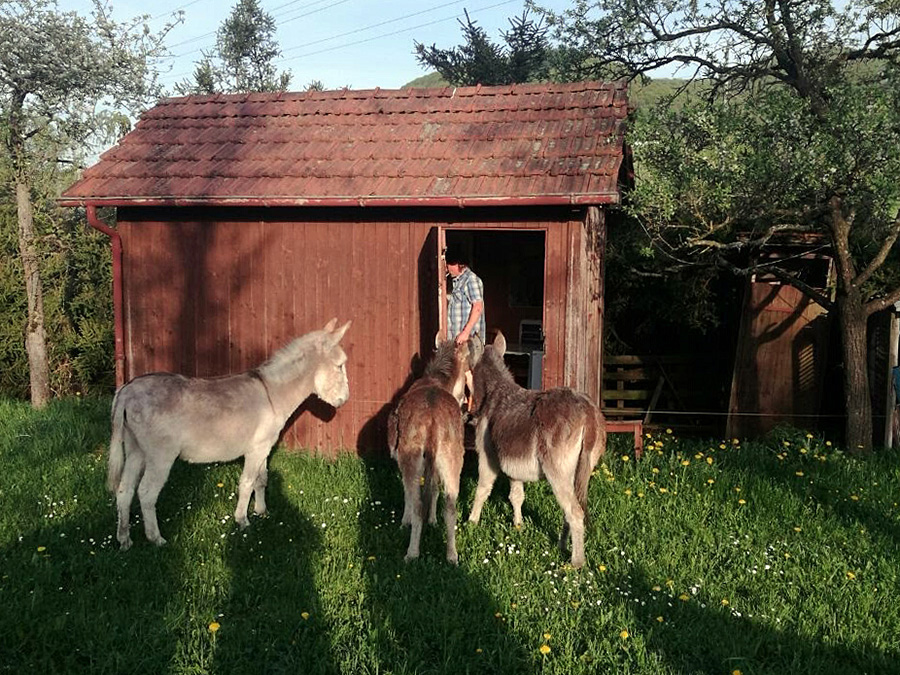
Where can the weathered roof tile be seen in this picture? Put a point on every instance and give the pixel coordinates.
(469, 142)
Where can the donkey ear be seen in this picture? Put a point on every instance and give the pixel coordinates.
(330, 325)
(339, 333)
(500, 344)
(437, 339)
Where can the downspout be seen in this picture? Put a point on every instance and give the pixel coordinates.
(116, 241)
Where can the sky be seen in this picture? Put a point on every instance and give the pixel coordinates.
(362, 44)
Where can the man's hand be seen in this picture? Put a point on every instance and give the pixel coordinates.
(462, 338)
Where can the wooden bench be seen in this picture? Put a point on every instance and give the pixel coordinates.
(635, 427)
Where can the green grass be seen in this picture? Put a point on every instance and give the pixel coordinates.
(682, 577)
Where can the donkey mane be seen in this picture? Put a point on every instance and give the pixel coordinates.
(443, 363)
(286, 363)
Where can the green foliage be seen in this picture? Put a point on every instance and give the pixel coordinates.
(703, 557)
(525, 56)
(77, 303)
(243, 58)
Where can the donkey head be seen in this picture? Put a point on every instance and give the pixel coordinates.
(330, 381)
(483, 373)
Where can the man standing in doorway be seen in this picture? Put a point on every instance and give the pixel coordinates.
(465, 306)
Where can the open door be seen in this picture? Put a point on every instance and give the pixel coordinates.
(511, 264)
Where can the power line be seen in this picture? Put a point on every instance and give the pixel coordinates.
(334, 3)
(404, 30)
(377, 25)
(172, 11)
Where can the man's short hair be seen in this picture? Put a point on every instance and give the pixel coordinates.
(455, 255)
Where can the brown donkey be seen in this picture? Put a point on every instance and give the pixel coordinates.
(425, 435)
(526, 434)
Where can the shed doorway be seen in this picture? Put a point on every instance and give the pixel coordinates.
(511, 263)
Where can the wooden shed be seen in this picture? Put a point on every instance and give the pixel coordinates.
(245, 220)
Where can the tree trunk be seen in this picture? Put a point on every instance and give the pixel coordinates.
(35, 338)
(852, 319)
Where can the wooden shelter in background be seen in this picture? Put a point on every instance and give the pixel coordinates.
(782, 350)
(245, 220)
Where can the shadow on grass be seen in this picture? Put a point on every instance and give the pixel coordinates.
(713, 640)
(71, 601)
(429, 615)
(272, 620)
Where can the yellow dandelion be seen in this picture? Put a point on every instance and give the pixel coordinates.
(663, 490)
(737, 489)
(803, 451)
(710, 480)
(786, 443)
(724, 602)
(497, 615)
(513, 605)
(213, 627)
(626, 458)
(854, 498)
(699, 455)
(371, 557)
(721, 446)
(798, 529)
(41, 549)
(304, 616)
(649, 435)
(640, 494)
(709, 460)
(684, 597)
(736, 672)
(602, 568)
(799, 473)
(735, 441)
(657, 589)
(628, 492)
(828, 443)
(686, 462)
(654, 470)
(668, 431)
(670, 583)
(809, 435)
(421, 480)
(742, 501)
(478, 651)
(624, 635)
(660, 619)
(220, 484)
(545, 649)
(547, 636)
(851, 576)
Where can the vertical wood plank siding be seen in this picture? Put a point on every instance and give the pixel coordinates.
(216, 291)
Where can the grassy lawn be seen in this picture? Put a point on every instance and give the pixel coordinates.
(704, 557)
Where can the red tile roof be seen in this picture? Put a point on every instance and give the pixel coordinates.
(540, 143)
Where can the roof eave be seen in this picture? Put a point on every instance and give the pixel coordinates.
(458, 202)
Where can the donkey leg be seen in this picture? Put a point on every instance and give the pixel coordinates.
(155, 476)
(411, 464)
(431, 496)
(252, 464)
(131, 474)
(516, 497)
(564, 490)
(450, 468)
(487, 471)
(259, 489)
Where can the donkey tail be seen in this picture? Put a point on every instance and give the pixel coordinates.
(393, 431)
(116, 444)
(593, 445)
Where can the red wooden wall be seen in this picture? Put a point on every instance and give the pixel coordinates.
(215, 291)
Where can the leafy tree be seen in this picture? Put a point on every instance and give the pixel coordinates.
(60, 73)
(526, 56)
(243, 56)
(798, 129)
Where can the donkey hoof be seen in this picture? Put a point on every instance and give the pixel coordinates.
(125, 544)
(577, 564)
(410, 556)
(242, 523)
(453, 559)
(159, 541)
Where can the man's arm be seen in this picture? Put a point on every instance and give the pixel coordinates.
(474, 314)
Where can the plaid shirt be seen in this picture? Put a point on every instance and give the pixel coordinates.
(467, 290)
